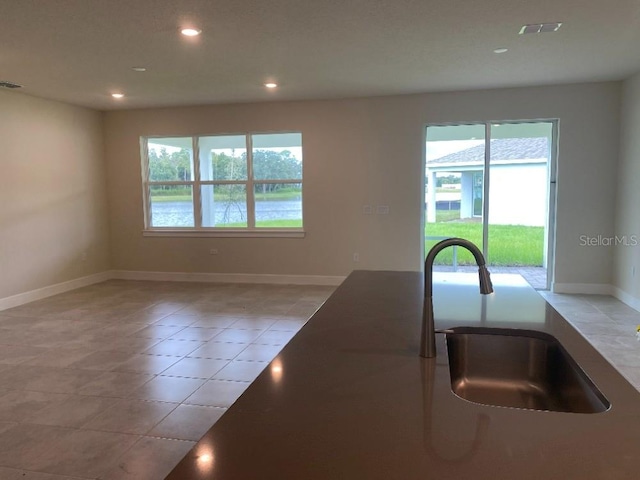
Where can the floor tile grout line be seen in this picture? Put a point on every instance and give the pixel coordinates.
(150, 318)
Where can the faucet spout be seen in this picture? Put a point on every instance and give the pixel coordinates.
(428, 337)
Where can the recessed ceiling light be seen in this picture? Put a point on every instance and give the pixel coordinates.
(139, 69)
(117, 95)
(190, 32)
(501, 50)
(271, 85)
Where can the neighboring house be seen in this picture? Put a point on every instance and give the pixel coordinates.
(518, 181)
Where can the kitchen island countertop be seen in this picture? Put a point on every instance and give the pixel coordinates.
(350, 398)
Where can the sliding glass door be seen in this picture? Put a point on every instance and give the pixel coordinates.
(492, 183)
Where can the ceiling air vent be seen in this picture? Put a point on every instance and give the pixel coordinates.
(540, 28)
(5, 84)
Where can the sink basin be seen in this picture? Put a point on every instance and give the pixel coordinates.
(520, 369)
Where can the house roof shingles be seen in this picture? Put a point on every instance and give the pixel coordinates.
(501, 149)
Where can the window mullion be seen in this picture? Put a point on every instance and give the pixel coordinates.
(222, 182)
(293, 182)
(171, 182)
(251, 205)
(486, 179)
(197, 201)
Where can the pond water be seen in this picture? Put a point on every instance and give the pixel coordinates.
(180, 214)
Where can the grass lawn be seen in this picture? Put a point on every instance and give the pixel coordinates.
(280, 223)
(171, 198)
(447, 215)
(509, 245)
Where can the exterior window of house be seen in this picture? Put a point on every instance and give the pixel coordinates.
(230, 185)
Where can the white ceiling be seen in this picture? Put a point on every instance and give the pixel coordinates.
(79, 51)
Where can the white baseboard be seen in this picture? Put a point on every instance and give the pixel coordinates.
(44, 292)
(40, 293)
(583, 288)
(228, 278)
(624, 297)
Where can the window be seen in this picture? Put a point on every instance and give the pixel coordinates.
(223, 184)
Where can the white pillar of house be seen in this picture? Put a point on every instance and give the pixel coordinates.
(431, 202)
(466, 195)
(207, 201)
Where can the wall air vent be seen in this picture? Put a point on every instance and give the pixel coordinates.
(5, 84)
(540, 28)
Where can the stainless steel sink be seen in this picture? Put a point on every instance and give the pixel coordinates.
(521, 369)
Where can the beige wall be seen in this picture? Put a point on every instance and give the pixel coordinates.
(369, 151)
(628, 190)
(355, 152)
(53, 204)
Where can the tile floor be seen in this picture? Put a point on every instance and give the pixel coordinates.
(120, 379)
(608, 324)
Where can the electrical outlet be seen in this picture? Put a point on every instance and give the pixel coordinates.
(367, 210)
(356, 257)
(213, 251)
(382, 209)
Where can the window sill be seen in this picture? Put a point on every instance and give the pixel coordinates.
(229, 233)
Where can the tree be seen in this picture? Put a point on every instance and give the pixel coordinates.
(229, 167)
(161, 168)
(169, 167)
(447, 180)
(267, 165)
(182, 161)
(271, 165)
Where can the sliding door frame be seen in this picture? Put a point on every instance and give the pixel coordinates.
(551, 186)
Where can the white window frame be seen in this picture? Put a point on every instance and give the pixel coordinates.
(198, 230)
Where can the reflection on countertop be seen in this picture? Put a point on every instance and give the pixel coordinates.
(349, 397)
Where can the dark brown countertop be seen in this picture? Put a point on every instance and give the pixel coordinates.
(350, 398)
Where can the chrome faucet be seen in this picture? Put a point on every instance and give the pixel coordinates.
(428, 337)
